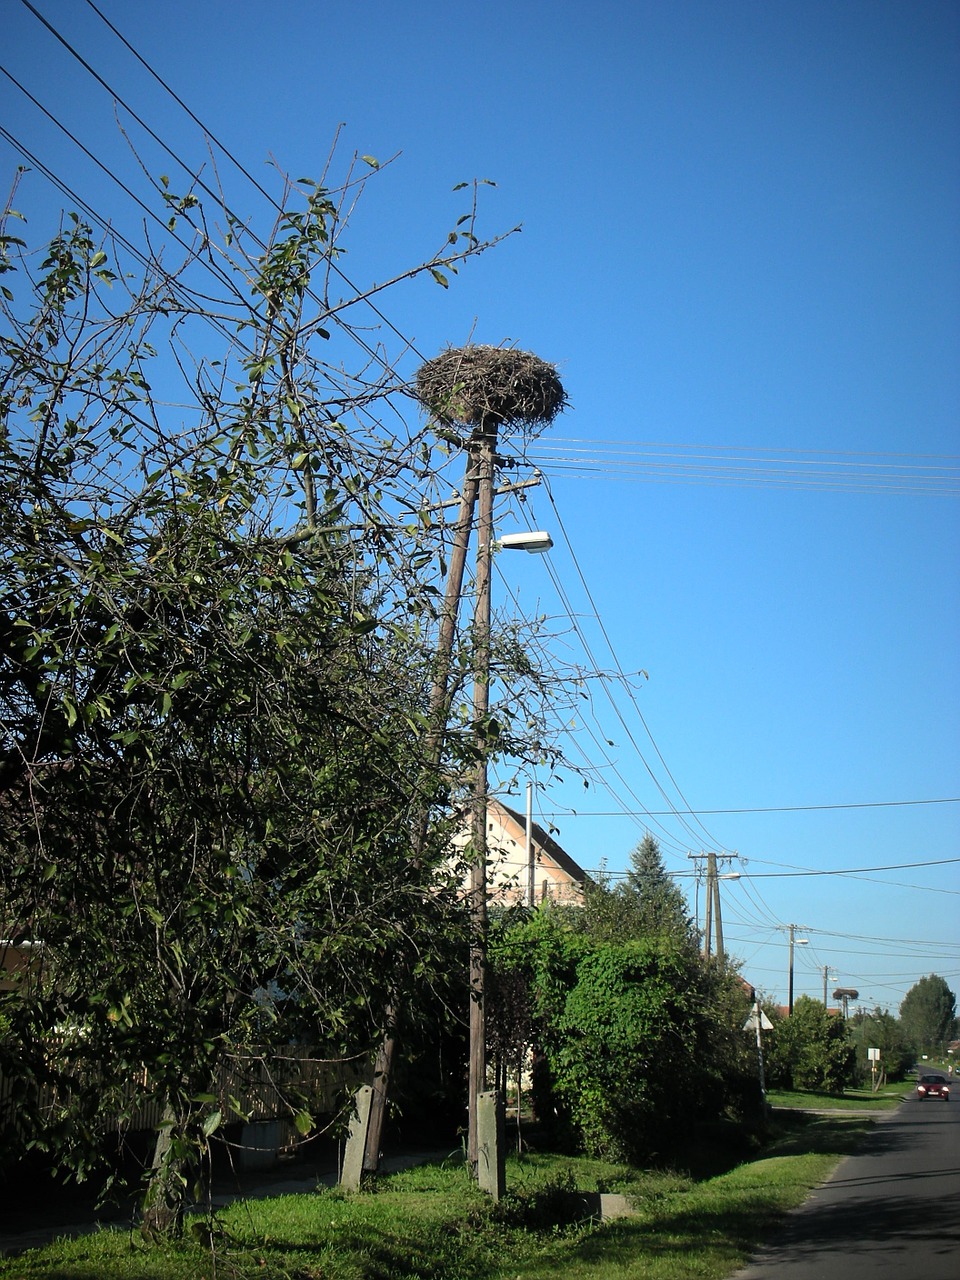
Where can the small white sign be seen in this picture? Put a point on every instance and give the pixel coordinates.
(873, 1055)
(751, 1022)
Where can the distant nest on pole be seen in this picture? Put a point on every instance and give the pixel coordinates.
(477, 384)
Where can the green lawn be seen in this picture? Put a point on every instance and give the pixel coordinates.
(431, 1223)
(886, 1099)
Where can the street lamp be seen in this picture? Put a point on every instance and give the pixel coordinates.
(794, 942)
(535, 541)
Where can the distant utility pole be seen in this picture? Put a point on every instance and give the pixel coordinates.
(712, 904)
(826, 970)
(794, 941)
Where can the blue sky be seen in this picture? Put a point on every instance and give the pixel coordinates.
(741, 239)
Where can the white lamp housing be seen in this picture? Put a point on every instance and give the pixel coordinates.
(535, 542)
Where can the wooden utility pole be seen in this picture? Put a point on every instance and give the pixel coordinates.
(483, 387)
(793, 941)
(712, 864)
(486, 459)
(708, 906)
(437, 721)
(712, 903)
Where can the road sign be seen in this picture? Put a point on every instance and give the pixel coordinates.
(752, 1020)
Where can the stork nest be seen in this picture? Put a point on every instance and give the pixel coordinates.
(479, 384)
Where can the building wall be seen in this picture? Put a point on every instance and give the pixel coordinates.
(507, 864)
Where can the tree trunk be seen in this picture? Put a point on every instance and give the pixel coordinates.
(164, 1201)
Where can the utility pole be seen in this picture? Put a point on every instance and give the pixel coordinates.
(708, 906)
(712, 904)
(794, 941)
(486, 457)
(528, 849)
(826, 970)
(716, 905)
(481, 387)
(437, 716)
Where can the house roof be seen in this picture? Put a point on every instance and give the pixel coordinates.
(546, 844)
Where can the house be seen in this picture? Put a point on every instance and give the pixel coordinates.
(18, 959)
(556, 876)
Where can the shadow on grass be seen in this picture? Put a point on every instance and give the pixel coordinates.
(796, 1133)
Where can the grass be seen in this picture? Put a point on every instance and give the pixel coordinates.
(431, 1223)
(885, 1099)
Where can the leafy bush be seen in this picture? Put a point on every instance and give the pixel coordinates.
(634, 1037)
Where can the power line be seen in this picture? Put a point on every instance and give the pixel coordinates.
(756, 900)
(625, 683)
(408, 342)
(790, 808)
(736, 465)
(865, 937)
(330, 312)
(849, 871)
(167, 229)
(597, 772)
(846, 871)
(623, 679)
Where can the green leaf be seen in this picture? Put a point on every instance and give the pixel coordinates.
(212, 1123)
(440, 278)
(371, 161)
(303, 1122)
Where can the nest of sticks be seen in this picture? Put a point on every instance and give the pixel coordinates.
(475, 385)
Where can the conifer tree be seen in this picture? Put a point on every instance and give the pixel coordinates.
(659, 905)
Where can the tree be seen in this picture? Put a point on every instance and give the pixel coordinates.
(217, 608)
(661, 907)
(928, 1014)
(648, 904)
(879, 1030)
(809, 1049)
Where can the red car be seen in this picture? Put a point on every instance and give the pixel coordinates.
(933, 1087)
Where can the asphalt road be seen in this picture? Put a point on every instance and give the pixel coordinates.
(893, 1209)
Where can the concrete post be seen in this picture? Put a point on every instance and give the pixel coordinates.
(491, 1145)
(352, 1171)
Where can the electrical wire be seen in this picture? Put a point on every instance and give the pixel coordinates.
(208, 132)
(626, 686)
(330, 312)
(849, 871)
(936, 475)
(598, 675)
(789, 808)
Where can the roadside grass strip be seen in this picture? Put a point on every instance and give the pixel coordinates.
(432, 1223)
